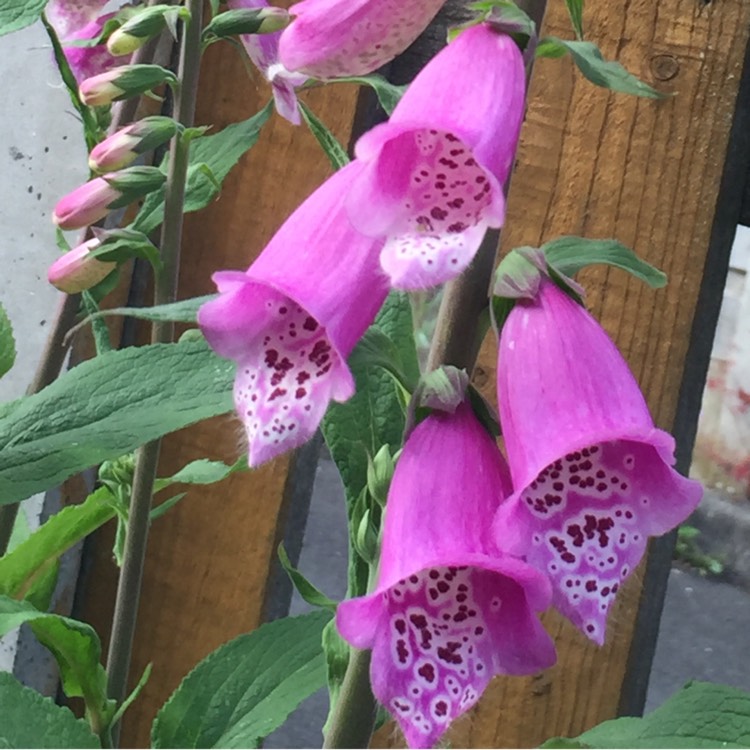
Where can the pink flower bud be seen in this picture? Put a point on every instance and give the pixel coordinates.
(78, 270)
(100, 90)
(123, 147)
(85, 205)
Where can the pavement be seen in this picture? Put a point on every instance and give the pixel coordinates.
(704, 631)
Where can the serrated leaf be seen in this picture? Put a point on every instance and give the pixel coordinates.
(568, 255)
(311, 594)
(18, 14)
(122, 399)
(608, 74)
(21, 567)
(7, 343)
(213, 155)
(246, 688)
(335, 152)
(31, 720)
(75, 646)
(701, 715)
(389, 94)
(575, 11)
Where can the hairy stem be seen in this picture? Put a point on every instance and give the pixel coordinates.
(129, 585)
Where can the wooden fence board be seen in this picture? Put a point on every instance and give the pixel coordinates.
(210, 559)
(647, 173)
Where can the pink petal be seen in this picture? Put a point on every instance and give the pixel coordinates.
(294, 317)
(334, 38)
(435, 171)
(450, 609)
(68, 17)
(263, 50)
(592, 474)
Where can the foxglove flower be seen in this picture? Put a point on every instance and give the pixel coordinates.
(123, 147)
(75, 20)
(263, 50)
(450, 610)
(434, 182)
(335, 38)
(294, 317)
(592, 475)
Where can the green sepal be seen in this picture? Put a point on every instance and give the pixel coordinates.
(380, 468)
(389, 94)
(245, 21)
(575, 11)
(310, 593)
(335, 152)
(142, 79)
(443, 389)
(120, 245)
(133, 183)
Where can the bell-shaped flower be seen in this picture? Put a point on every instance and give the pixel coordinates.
(263, 51)
(592, 475)
(337, 38)
(292, 319)
(77, 20)
(450, 610)
(436, 170)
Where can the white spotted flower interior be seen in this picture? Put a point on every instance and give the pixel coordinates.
(435, 171)
(592, 475)
(335, 38)
(449, 610)
(292, 319)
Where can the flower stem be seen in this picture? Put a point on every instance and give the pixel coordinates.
(129, 585)
(354, 715)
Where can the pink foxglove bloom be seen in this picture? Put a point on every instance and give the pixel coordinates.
(77, 270)
(434, 182)
(450, 610)
(82, 19)
(335, 38)
(294, 317)
(263, 50)
(592, 475)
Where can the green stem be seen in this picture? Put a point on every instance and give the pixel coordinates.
(354, 715)
(131, 576)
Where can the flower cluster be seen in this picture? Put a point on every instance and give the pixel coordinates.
(473, 548)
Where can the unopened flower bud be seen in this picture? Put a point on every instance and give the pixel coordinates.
(122, 82)
(122, 148)
(247, 21)
(379, 474)
(96, 198)
(78, 269)
(141, 27)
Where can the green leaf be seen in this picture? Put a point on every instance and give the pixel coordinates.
(306, 590)
(106, 407)
(568, 255)
(185, 311)
(335, 152)
(701, 715)
(575, 11)
(31, 720)
(202, 471)
(216, 153)
(389, 94)
(246, 688)
(374, 416)
(75, 646)
(608, 74)
(20, 568)
(20, 533)
(7, 343)
(18, 14)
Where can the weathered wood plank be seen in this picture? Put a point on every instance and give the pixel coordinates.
(210, 559)
(648, 174)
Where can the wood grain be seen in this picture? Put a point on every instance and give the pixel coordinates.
(209, 559)
(647, 173)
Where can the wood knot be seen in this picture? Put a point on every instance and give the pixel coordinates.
(480, 377)
(664, 67)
